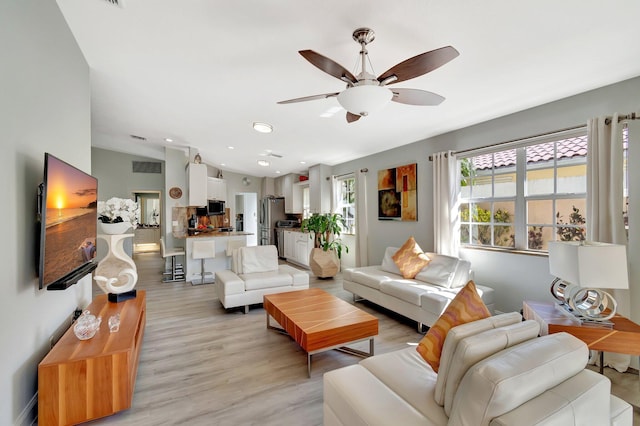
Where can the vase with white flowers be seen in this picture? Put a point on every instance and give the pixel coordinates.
(116, 215)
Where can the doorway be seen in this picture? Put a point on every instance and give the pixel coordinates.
(247, 215)
(147, 234)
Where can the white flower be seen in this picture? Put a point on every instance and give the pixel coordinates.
(118, 210)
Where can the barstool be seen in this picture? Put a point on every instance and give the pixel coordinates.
(176, 273)
(203, 250)
(234, 244)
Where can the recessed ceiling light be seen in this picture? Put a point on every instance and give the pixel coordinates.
(231, 147)
(262, 127)
(303, 162)
(168, 140)
(222, 164)
(263, 163)
(278, 172)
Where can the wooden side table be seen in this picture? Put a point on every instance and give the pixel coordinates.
(623, 338)
(81, 380)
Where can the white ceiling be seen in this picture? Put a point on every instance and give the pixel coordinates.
(201, 72)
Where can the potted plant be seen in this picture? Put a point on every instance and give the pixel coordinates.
(325, 230)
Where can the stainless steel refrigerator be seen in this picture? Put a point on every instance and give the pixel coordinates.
(271, 211)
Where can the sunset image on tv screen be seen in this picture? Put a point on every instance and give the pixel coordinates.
(70, 219)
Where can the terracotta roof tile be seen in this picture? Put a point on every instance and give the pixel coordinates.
(567, 148)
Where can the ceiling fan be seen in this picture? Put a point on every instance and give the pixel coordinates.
(270, 153)
(365, 92)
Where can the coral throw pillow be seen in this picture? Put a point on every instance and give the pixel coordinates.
(410, 258)
(467, 306)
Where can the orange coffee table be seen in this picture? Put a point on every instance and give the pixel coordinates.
(319, 321)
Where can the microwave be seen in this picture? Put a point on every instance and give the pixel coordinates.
(215, 207)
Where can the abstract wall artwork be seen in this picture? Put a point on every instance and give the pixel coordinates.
(397, 193)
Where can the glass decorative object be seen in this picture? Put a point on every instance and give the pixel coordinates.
(114, 323)
(86, 325)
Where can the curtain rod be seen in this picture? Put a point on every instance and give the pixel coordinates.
(631, 116)
(515, 140)
(346, 174)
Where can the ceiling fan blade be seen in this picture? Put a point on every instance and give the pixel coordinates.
(328, 65)
(310, 98)
(352, 117)
(420, 64)
(416, 97)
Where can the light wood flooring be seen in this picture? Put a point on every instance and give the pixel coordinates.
(202, 365)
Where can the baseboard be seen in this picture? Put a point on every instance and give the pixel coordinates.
(29, 415)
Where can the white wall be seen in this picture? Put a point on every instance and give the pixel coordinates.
(175, 175)
(116, 177)
(44, 107)
(516, 277)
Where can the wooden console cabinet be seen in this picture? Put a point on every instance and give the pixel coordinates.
(84, 380)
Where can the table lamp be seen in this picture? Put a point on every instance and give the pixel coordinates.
(582, 269)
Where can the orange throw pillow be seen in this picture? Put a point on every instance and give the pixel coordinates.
(467, 306)
(410, 259)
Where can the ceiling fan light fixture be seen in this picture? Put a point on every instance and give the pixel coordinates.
(365, 99)
(262, 127)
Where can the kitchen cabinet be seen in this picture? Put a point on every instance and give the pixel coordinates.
(319, 189)
(216, 189)
(304, 244)
(297, 247)
(197, 178)
(292, 194)
(277, 187)
(268, 187)
(290, 244)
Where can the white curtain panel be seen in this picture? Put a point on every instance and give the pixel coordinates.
(604, 181)
(335, 193)
(604, 203)
(446, 195)
(362, 223)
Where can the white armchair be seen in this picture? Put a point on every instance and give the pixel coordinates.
(255, 272)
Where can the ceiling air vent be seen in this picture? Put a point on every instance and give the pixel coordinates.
(140, 138)
(119, 3)
(147, 167)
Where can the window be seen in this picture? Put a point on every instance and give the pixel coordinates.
(524, 197)
(347, 202)
(306, 204)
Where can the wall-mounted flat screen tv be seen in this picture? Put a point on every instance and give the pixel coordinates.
(68, 211)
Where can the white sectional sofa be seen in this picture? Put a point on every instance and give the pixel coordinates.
(421, 299)
(255, 272)
(494, 371)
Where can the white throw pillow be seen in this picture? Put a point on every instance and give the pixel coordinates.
(440, 271)
(259, 259)
(388, 264)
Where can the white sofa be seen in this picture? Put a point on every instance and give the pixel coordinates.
(255, 272)
(421, 299)
(494, 371)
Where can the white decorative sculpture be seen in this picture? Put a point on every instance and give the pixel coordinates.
(116, 274)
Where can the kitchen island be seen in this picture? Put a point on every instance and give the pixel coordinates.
(220, 261)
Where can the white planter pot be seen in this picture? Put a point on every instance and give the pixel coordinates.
(113, 228)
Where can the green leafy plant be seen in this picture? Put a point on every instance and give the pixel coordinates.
(535, 238)
(575, 231)
(326, 229)
(466, 171)
(503, 235)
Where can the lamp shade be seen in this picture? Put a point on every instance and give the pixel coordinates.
(364, 99)
(589, 264)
